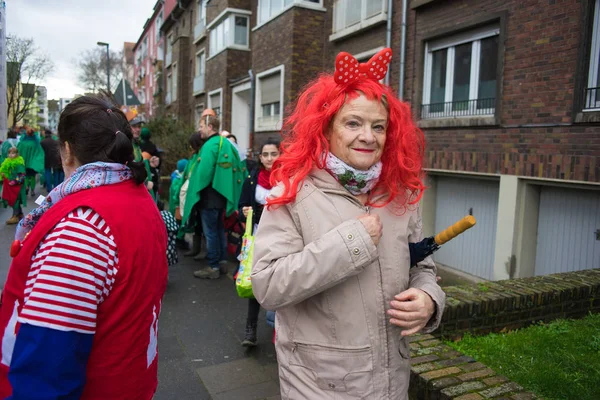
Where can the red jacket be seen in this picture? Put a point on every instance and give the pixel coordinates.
(123, 360)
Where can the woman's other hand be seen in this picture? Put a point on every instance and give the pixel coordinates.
(373, 225)
(150, 185)
(245, 210)
(411, 310)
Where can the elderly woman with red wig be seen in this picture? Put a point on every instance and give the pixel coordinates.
(332, 251)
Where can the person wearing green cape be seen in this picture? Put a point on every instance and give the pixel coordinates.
(136, 129)
(30, 149)
(12, 174)
(215, 186)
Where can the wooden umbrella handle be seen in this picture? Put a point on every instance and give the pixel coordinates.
(453, 231)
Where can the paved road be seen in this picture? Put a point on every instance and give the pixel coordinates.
(201, 326)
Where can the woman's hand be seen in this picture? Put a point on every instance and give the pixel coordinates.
(373, 225)
(245, 210)
(150, 185)
(154, 161)
(411, 310)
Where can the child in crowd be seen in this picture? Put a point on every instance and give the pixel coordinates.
(177, 180)
(12, 172)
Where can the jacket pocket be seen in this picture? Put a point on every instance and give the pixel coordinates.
(345, 369)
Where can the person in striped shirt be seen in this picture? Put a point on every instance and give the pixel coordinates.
(80, 308)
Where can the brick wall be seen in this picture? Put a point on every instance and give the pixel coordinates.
(440, 372)
(535, 134)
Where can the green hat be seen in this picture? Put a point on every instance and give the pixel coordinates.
(145, 133)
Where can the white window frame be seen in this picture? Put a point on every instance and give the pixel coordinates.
(168, 99)
(211, 105)
(593, 81)
(258, 109)
(197, 115)
(228, 14)
(200, 25)
(174, 84)
(158, 22)
(450, 43)
(339, 8)
(318, 6)
(199, 54)
(169, 49)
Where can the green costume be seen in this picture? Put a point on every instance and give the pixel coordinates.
(13, 169)
(174, 190)
(218, 166)
(30, 149)
(137, 152)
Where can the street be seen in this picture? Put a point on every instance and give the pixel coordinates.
(200, 330)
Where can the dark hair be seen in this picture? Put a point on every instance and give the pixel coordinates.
(48, 132)
(270, 141)
(230, 136)
(196, 141)
(98, 131)
(211, 120)
(12, 134)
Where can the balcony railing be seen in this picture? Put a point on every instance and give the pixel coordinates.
(462, 108)
(199, 30)
(169, 57)
(199, 84)
(592, 99)
(272, 122)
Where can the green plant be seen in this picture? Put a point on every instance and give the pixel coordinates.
(171, 136)
(556, 360)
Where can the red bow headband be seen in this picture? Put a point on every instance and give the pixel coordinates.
(348, 70)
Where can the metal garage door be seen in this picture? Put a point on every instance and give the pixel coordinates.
(473, 251)
(568, 226)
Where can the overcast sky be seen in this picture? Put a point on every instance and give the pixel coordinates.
(64, 28)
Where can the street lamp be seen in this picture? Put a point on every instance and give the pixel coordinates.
(107, 65)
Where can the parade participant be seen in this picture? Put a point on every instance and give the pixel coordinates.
(255, 191)
(80, 307)
(30, 149)
(215, 185)
(146, 145)
(331, 253)
(136, 130)
(196, 142)
(52, 166)
(10, 142)
(12, 173)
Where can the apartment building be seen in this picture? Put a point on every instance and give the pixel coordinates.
(42, 106)
(148, 53)
(505, 92)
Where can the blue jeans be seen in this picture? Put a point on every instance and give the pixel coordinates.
(214, 231)
(54, 177)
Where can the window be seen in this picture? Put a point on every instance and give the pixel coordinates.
(351, 13)
(231, 32)
(460, 75)
(268, 9)
(174, 87)
(169, 89)
(198, 115)
(592, 93)
(200, 27)
(214, 101)
(200, 72)
(270, 97)
(169, 49)
(159, 21)
(145, 48)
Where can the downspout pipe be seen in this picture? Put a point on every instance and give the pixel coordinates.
(388, 39)
(402, 50)
(252, 96)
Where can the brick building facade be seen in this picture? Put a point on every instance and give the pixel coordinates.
(505, 93)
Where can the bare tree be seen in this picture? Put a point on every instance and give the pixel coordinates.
(26, 65)
(91, 69)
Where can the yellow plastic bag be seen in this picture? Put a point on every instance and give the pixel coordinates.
(243, 284)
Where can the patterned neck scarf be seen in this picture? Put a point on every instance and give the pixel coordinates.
(87, 176)
(354, 180)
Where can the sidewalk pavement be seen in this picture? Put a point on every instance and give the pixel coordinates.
(201, 327)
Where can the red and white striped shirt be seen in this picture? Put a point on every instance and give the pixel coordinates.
(72, 272)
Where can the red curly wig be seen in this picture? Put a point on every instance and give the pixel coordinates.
(304, 142)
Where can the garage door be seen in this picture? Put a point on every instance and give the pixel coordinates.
(568, 225)
(473, 251)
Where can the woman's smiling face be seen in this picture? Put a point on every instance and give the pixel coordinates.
(358, 132)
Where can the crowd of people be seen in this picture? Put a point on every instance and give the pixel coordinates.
(334, 208)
